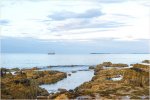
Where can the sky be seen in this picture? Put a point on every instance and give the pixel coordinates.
(75, 26)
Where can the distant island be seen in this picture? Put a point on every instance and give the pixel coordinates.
(118, 53)
(100, 53)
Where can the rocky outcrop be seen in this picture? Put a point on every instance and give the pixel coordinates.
(19, 87)
(62, 90)
(146, 61)
(74, 71)
(109, 64)
(25, 84)
(69, 74)
(91, 67)
(131, 83)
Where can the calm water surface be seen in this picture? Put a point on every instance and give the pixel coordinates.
(40, 60)
(71, 82)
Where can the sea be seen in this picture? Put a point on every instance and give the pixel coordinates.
(11, 60)
(67, 63)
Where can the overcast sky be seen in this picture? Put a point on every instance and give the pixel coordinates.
(75, 26)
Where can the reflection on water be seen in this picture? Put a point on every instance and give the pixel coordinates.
(71, 82)
(68, 68)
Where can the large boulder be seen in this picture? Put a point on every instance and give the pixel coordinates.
(62, 90)
(74, 71)
(91, 67)
(146, 61)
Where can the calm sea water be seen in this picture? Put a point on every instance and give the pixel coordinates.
(41, 60)
(71, 82)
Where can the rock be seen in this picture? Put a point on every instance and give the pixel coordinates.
(91, 67)
(41, 97)
(69, 74)
(71, 90)
(49, 66)
(23, 81)
(146, 61)
(15, 69)
(98, 68)
(137, 69)
(35, 68)
(35, 77)
(42, 92)
(119, 65)
(107, 64)
(62, 90)
(62, 97)
(30, 69)
(74, 71)
(84, 97)
(131, 64)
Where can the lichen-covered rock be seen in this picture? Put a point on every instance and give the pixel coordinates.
(142, 67)
(110, 64)
(25, 84)
(107, 64)
(134, 83)
(49, 77)
(146, 61)
(18, 87)
(119, 65)
(61, 97)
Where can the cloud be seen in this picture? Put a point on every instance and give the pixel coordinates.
(111, 1)
(62, 15)
(120, 1)
(86, 20)
(4, 22)
(96, 23)
(123, 15)
(73, 24)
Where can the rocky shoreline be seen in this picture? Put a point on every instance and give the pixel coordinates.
(110, 81)
(134, 83)
(24, 83)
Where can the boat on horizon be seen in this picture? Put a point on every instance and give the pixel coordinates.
(51, 53)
